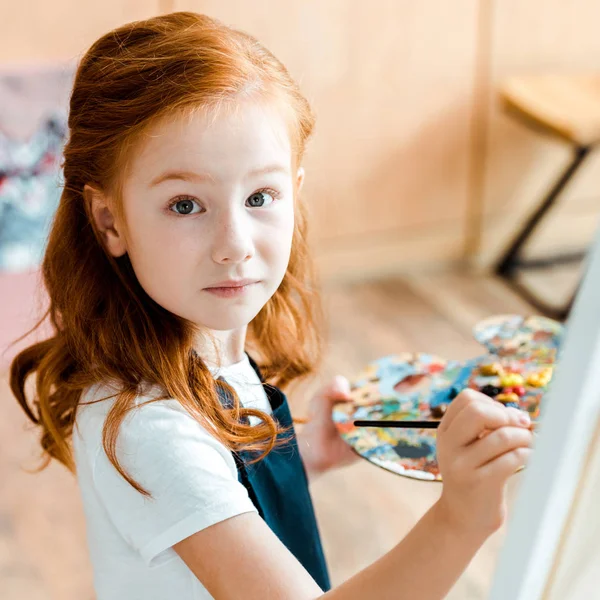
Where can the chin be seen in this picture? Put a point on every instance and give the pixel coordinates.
(228, 319)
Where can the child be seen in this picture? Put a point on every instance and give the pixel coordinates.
(178, 245)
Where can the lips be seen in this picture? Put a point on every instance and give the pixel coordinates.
(232, 283)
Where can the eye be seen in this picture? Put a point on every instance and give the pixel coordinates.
(261, 198)
(184, 206)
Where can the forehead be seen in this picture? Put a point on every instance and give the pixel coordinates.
(223, 144)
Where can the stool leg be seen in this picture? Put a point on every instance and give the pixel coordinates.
(564, 312)
(509, 262)
(560, 313)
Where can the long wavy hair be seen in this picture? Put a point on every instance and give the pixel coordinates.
(104, 325)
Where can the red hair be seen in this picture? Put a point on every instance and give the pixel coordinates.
(105, 325)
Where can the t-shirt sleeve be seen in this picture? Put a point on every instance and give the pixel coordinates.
(191, 476)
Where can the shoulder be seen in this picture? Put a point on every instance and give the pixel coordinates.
(152, 427)
(190, 475)
(97, 400)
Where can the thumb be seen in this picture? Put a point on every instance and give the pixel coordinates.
(337, 390)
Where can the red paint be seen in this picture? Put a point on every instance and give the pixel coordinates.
(410, 382)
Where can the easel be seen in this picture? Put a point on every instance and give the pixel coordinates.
(552, 477)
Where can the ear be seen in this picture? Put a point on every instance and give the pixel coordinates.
(105, 222)
(299, 180)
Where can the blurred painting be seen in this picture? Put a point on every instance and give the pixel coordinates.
(33, 128)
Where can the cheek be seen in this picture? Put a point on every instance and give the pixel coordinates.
(162, 256)
(279, 241)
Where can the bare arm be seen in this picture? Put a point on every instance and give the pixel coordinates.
(424, 565)
(242, 558)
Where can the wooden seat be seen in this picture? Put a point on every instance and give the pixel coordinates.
(565, 105)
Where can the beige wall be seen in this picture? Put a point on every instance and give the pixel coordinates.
(46, 30)
(391, 84)
(411, 159)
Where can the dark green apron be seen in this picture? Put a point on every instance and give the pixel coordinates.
(278, 487)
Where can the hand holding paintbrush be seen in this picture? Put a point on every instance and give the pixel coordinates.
(479, 445)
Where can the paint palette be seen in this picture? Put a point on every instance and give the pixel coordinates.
(517, 369)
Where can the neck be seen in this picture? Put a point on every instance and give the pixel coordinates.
(229, 347)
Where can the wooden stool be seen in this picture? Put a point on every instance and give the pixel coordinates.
(563, 106)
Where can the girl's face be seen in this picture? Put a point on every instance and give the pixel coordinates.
(209, 202)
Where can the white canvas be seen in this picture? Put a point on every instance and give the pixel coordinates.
(548, 490)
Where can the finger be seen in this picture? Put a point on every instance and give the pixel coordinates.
(341, 386)
(518, 418)
(506, 465)
(337, 390)
(478, 416)
(497, 443)
(464, 399)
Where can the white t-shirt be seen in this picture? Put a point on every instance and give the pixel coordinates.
(191, 476)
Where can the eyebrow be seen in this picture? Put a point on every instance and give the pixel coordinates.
(199, 177)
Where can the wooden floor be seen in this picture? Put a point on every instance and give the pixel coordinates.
(363, 511)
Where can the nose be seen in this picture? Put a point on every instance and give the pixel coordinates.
(232, 241)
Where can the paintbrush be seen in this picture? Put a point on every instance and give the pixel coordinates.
(406, 424)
